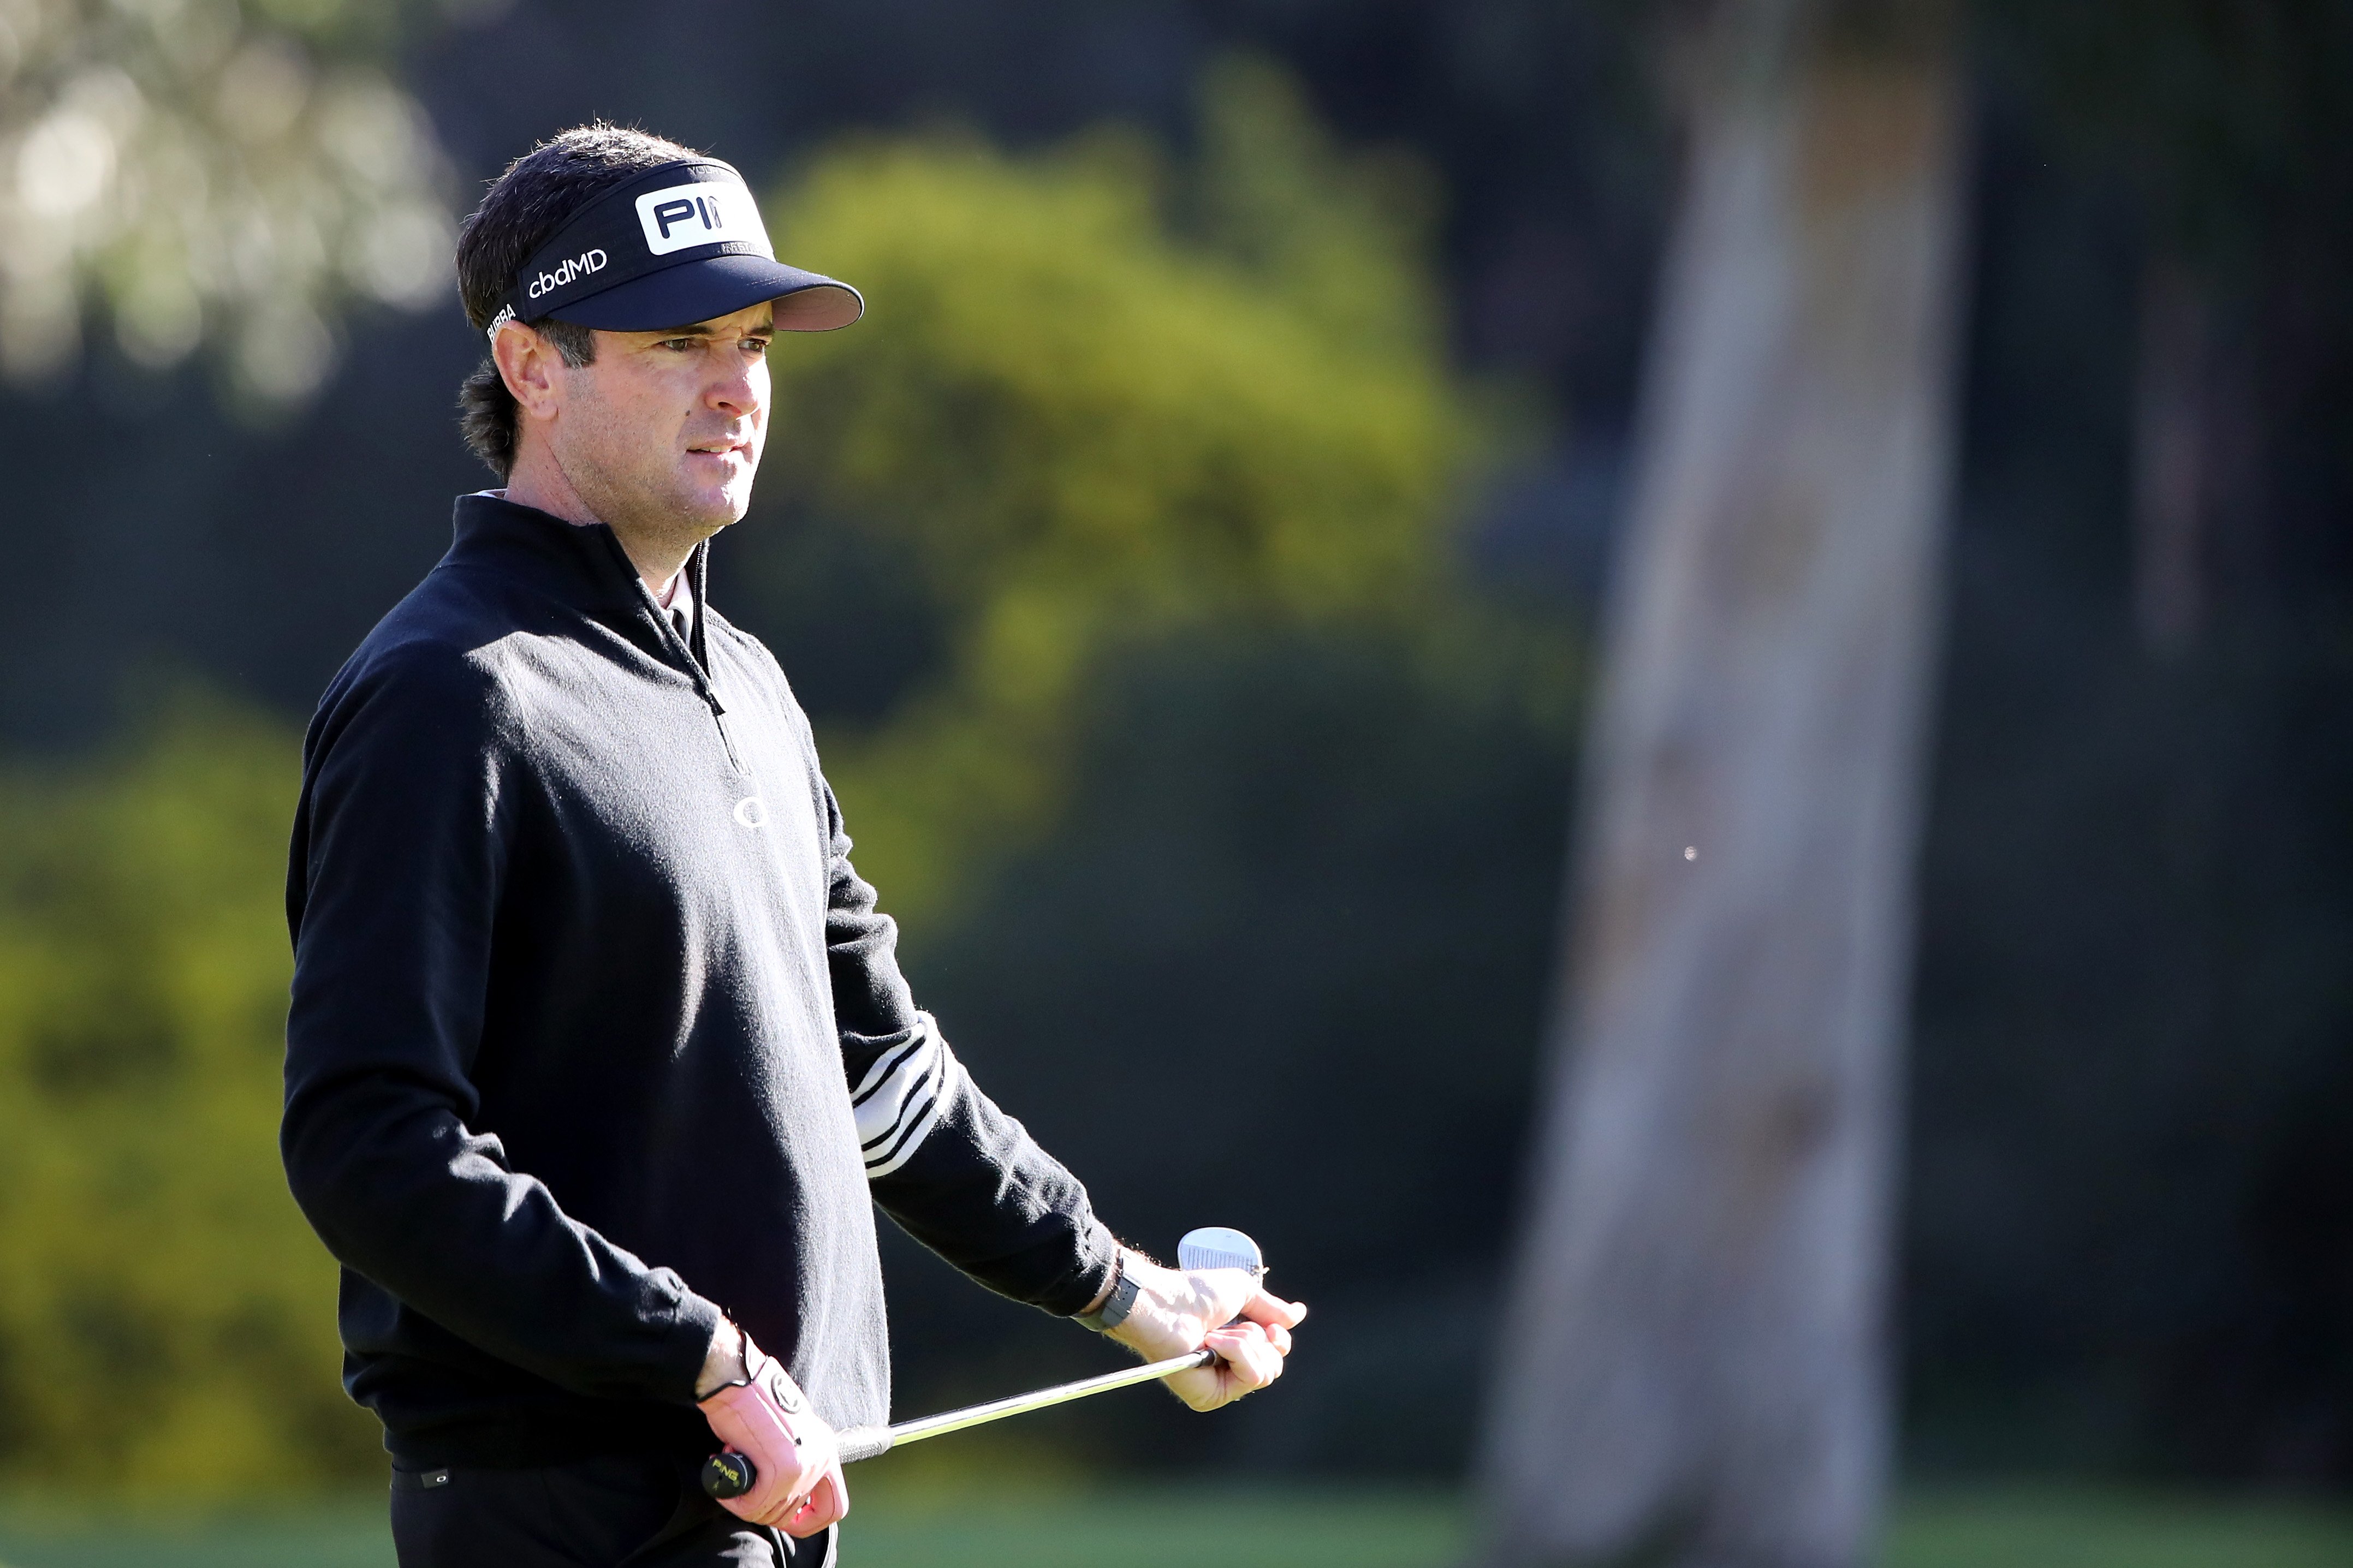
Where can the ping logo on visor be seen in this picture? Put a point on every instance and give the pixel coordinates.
(704, 212)
(675, 244)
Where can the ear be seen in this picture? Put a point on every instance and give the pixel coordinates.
(530, 366)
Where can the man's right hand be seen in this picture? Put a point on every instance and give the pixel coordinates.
(762, 1414)
(1225, 1308)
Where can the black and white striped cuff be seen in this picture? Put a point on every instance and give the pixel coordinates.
(902, 1098)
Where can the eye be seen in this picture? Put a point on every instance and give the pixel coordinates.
(756, 347)
(680, 345)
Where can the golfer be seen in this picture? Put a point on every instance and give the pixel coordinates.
(599, 1056)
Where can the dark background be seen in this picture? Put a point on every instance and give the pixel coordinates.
(2128, 1236)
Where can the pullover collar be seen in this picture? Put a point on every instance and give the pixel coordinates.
(585, 565)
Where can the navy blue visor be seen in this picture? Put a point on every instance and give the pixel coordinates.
(677, 244)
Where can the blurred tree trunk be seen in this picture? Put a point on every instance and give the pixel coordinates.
(2198, 462)
(1694, 1369)
(2169, 458)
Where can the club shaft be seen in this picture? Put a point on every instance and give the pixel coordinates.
(947, 1421)
(732, 1475)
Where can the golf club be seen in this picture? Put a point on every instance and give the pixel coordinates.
(728, 1474)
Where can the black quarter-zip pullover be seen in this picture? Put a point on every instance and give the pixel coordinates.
(596, 1032)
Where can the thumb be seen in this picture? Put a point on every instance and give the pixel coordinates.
(1265, 1307)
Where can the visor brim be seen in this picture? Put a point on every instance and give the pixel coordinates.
(719, 286)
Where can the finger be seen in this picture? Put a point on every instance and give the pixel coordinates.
(766, 1503)
(796, 1487)
(827, 1502)
(1246, 1352)
(1263, 1359)
(1203, 1388)
(780, 1511)
(1243, 1348)
(1247, 1361)
(1279, 1338)
(1226, 1339)
(1264, 1307)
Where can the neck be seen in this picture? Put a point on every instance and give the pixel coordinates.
(538, 480)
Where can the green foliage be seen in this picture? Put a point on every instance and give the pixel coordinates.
(1338, 235)
(1159, 455)
(202, 170)
(1193, 748)
(167, 1318)
(1086, 426)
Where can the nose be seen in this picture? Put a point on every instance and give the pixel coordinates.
(740, 391)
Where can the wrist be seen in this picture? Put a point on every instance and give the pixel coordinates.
(1111, 1308)
(1111, 1283)
(725, 1364)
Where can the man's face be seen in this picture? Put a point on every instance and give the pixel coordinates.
(662, 431)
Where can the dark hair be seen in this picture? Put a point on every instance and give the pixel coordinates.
(537, 195)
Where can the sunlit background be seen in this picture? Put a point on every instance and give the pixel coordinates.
(1196, 568)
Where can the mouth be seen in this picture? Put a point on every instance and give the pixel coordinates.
(720, 449)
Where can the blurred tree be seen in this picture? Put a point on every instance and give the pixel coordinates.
(1168, 481)
(1694, 1373)
(1075, 426)
(1331, 853)
(167, 1318)
(1114, 562)
(2225, 122)
(2131, 1209)
(208, 169)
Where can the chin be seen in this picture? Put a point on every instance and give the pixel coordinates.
(730, 507)
(714, 508)
(722, 499)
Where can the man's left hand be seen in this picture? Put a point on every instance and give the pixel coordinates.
(761, 1413)
(1225, 1308)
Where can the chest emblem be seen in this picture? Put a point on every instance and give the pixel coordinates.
(752, 812)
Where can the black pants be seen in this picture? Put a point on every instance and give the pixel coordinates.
(644, 1513)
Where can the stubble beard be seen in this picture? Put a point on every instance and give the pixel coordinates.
(650, 501)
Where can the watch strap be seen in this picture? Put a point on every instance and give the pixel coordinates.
(1116, 1306)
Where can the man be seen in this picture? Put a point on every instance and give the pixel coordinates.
(599, 1056)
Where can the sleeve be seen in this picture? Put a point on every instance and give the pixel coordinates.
(953, 1171)
(401, 844)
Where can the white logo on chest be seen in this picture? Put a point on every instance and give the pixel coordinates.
(752, 812)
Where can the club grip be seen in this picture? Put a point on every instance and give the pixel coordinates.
(728, 1474)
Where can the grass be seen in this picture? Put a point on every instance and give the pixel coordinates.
(2041, 1529)
(347, 1535)
(1165, 1528)
(912, 1524)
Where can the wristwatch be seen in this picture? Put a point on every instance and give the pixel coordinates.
(1117, 1305)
